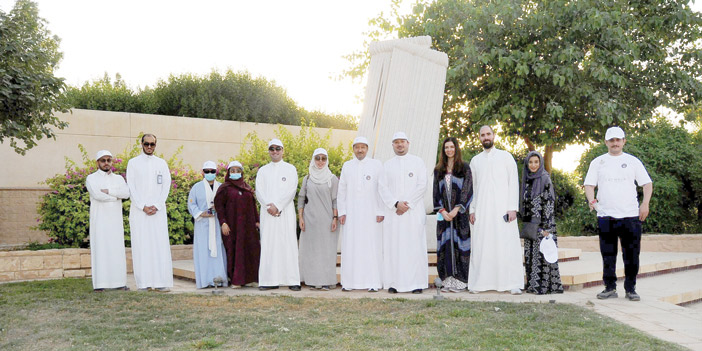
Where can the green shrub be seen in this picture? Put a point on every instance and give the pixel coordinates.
(64, 212)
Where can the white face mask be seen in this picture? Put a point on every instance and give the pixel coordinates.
(235, 176)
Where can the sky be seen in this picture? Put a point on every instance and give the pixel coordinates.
(297, 44)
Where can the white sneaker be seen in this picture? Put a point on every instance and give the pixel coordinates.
(515, 291)
(474, 291)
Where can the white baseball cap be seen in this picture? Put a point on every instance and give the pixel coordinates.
(102, 153)
(614, 132)
(209, 165)
(275, 142)
(235, 164)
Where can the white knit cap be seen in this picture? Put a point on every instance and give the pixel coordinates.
(399, 135)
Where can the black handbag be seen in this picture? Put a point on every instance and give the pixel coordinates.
(529, 231)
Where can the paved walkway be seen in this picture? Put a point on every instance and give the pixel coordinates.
(667, 321)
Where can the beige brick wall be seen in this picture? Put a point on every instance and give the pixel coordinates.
(62, 263)
(18, 213)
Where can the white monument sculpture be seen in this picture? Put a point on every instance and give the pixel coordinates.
(405, 92)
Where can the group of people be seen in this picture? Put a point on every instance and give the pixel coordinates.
(379, 209)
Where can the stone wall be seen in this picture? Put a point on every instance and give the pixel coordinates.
(649, 243)
(62, 263)
(201, 139)
(18, 213)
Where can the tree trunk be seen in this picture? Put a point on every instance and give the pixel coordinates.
(548, 159)
(530, 145)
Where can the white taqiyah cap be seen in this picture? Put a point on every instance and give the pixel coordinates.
(399, 135)
(319, 151)
(209, 165)
(549, 249)
(102, 153)
(235, 164)
(360, 140)
(614, 132)
(276, 142)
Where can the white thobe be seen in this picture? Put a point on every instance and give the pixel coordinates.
(107, 257)
(276, 183)
(361, 235)
(149, 182)
(405, 262)
(496, 253)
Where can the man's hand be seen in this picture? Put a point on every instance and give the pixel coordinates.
(206, 214)
(272, 210)
(334, 224)
(302, 224)
(150, 210)
(342, 219)
(402, 207)
(511, 215)
(379, 218)
(106, 191)
(471, 218)
(225, 229)
(643, 211)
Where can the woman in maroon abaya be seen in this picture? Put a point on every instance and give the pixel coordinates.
(235, 204)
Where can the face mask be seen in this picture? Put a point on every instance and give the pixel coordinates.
(235, 176)
(210, 176)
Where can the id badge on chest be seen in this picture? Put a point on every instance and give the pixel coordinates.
(159, 179)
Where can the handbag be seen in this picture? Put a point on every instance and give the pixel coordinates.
(529, 231)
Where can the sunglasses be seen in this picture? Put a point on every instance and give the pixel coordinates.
(209, 171)
(320, 158)
(150, 144)
(275, 148)
(105, 160)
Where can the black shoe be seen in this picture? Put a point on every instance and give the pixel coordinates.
(417, 291)
(294, 287)
(392, 291)
(633, 296)
(607, 293)
(267, 288)
(99, 290)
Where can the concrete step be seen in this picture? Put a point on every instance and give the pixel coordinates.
(564, 255)
(584, 271)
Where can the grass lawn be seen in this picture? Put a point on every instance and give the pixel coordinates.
(65, 314)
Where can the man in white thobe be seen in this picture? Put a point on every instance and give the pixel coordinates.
(496, 255)
(360, 215)
(405, 266)
(107, 257)
(149, 182)
(276, 186)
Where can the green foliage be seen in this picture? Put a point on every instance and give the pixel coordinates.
(234, 96)
(556, 72)
(298, 152)
(673, 159)
(29, 91)
(65, 211)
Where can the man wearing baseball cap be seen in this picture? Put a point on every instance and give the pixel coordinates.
(619, 215)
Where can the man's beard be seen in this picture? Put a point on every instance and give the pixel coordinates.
(487, 144)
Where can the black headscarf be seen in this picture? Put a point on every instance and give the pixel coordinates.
(540, 179)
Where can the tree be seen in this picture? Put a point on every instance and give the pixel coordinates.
(234, 96)
(29, 91)
(556, 72)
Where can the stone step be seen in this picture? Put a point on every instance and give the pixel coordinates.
(564, 255)
(587, 271)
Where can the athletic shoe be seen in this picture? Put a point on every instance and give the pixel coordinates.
(608, 293)
(633, 296)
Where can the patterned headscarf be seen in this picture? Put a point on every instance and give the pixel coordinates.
(540, 179)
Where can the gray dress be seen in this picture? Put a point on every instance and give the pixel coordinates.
(318, 243)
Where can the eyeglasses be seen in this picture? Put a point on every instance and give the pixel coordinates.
(150, 144)
(209, 171)
(275, 148)
(320, 158)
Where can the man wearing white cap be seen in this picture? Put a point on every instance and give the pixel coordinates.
(149, 183)
(619, 215)
(209, 258)
(276, 186)
(360, 215)
(402, 188)
(107, 257)
(496, 255)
